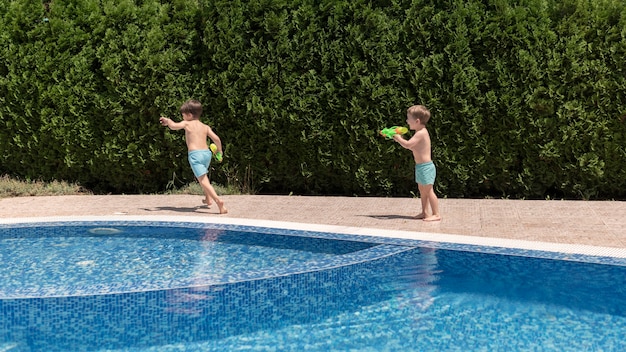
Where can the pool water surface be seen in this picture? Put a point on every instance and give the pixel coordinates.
(163, 286)
(131, 258)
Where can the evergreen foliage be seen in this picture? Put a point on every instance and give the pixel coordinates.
(528, 99)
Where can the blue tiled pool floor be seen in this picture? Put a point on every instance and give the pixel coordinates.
(344, 291)
(55, 259)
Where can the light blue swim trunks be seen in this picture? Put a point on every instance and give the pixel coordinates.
(425, 173)
(200, 161)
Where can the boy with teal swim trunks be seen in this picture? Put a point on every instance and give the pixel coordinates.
(199, 155)
(425, 172)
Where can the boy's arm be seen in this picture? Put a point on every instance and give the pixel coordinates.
(171, 124)
(214, 138)
(407, 144)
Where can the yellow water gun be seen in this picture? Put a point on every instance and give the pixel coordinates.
(218, 155)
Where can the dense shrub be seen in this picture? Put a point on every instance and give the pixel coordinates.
(84, 86)
(302, 96)
(528, 99)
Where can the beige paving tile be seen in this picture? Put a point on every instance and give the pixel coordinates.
(590, 235)
(618, 231)
(583, 222)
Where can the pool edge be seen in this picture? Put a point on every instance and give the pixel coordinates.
(422, 237)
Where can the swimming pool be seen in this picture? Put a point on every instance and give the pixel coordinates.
(191, 285)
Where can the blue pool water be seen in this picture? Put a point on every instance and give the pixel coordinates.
(119, 259)
(140, 286)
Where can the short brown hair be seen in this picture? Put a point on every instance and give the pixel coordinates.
(192, 107)
(419, 112)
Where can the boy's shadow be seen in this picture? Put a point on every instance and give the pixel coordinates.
(198, 209)
(390, 217)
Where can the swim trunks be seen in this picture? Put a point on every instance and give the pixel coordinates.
(425, 173)
(200, 161)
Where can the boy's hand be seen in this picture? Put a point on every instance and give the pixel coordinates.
(164, 121)
(218, 155)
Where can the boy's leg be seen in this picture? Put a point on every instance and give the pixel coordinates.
(200, 161)
(209, 191)
(423, 200)
(207, 196)
(207, 199)
(433, 201)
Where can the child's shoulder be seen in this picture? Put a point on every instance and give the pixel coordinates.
(205, 125)
(195, 125)
(422, 131)
(198, 122)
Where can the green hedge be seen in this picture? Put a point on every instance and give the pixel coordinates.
(84, 86)
(528, 100)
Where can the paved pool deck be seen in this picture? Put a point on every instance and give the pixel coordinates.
(594, 223)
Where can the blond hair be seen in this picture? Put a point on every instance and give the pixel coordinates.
(192, 107)
(419, 112)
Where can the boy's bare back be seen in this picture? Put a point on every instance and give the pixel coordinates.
(196, 134)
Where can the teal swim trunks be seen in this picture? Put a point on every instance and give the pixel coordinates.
(200, 161)
(425, 173)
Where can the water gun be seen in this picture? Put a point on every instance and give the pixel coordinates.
(391, 131)
(218, 155)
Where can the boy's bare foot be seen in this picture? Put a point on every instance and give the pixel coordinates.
(419, 216)
(433, 218)
(208, 202)
(220, 205)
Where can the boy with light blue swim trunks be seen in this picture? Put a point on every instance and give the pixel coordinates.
(196, 134)
(425, 172)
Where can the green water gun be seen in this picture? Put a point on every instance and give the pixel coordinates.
(218, 155)
(391, 131)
